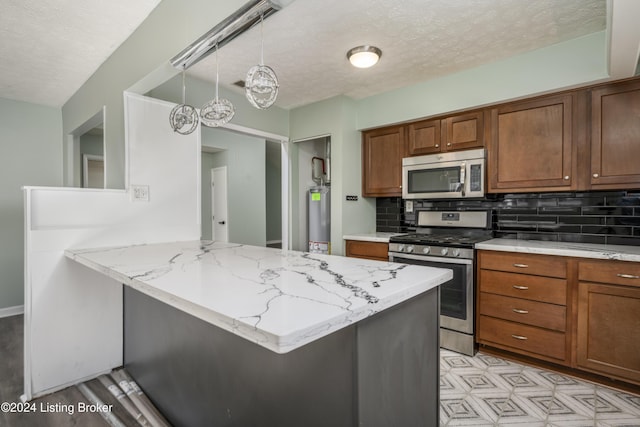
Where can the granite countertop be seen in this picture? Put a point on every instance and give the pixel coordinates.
(371, 237)
(582, 250)
(276, 298)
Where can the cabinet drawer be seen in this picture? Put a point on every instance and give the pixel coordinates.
(370, 250)
(541, 265)
(549, 316)
(615, 272)
(522, 337)
(536, 288)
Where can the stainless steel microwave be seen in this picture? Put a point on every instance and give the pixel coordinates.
(457, 174)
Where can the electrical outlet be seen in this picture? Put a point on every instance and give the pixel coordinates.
(408, 206)
(352, 198)
(140, 193)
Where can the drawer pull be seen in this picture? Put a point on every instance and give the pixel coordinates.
(520, 265)
(515, 310)
(519, 337)
(522, 288)
(628, 276)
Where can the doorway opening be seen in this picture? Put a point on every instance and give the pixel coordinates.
(257, 186)
(85, 154)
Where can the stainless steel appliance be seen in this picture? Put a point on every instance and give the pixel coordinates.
(446, 239)
(444, 176)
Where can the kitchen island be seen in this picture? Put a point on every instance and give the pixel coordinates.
(228, 334)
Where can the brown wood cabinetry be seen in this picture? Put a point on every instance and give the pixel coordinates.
(531, 146)
(369, 250)
(462, 132)
(522, 304)
(615, 136)
(382, 153)
(608, 326)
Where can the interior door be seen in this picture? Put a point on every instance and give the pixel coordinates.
(219, 209)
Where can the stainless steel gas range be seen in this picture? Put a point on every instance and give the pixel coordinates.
(446, 239)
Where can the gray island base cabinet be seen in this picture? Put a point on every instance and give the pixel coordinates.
(381, 371)
(222, 334)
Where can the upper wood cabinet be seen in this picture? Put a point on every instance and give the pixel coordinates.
(531, 146)
(462, 132)
(424, 137)
(615, 136)
(382, 153)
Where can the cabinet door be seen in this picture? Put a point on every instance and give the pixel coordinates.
(382, 152)
(464, 132)
(424, 137)
(615, 136)
(609, 330)
(530, 147)
(369, 250)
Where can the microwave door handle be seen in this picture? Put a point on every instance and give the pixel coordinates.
(463, 169)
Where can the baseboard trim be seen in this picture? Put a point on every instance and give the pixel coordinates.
(273, 242)
(11, 311)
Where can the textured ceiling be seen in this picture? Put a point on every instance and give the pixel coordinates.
(306, 43)
(49, 48)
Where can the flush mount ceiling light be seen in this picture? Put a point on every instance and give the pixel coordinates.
(364, 56)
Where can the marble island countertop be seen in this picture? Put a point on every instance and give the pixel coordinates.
(278, 299)
(581, 250)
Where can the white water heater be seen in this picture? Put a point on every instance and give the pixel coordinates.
(319, 221)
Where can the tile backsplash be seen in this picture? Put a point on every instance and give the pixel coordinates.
(587, 217)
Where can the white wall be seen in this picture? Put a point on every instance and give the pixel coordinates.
(30, 154)
(73, 315)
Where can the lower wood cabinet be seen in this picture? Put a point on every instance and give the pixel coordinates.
(608, 328)
(370, 250)
(522, 304)
(579, 313)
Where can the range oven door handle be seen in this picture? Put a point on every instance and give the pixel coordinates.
(398, 257)
(463, 184)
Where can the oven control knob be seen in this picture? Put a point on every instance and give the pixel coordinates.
(426, 250)
(456, 252)
(401, 248)
(409, 249)
(444, 251)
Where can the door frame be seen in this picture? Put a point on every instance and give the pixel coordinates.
(213, 187)
(85, 168)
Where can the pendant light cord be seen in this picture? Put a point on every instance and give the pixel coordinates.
(184, 90)
(217, 72)
(262, 39)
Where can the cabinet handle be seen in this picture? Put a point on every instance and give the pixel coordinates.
(515, 310)
(628, 276)
(519, 337)
(521, 265)
(522, 288)
(437, 145)
(448, 144)
(566, 178)
(595, 175)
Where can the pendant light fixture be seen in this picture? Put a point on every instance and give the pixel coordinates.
(218, 111)
(183, 118)
(261, 84)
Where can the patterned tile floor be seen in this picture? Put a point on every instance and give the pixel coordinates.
(488, 391)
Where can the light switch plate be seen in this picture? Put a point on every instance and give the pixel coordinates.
(140, 193)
